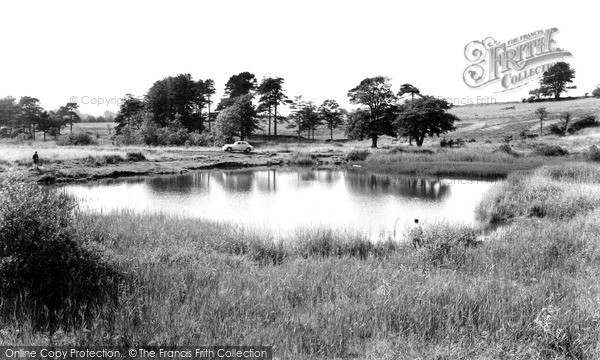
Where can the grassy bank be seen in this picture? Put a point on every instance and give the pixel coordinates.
(475, 161)
(529, 291)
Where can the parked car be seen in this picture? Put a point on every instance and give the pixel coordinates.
(238, 146)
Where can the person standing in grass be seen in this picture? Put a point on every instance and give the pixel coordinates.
(416, 234)
(36, 160)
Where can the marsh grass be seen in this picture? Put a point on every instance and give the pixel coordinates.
(557, 192)
(483, 162)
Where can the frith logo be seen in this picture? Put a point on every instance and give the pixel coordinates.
(513, 63)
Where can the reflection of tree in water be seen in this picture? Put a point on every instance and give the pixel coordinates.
(235, 181)
(266, 181)
(429, 189)
(327, 177)
(176, 184)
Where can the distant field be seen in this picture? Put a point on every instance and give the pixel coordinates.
(497, 120)
(491, 121)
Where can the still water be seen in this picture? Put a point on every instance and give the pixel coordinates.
(283, 200)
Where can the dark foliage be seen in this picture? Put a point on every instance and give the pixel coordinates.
(46, 273)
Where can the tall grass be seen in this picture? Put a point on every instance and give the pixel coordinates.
(557, 192)
(444, 155)
(474, 162)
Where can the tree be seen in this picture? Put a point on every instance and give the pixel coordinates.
(596, 91)
(129, 113)
(409, 89)
(554, 80)
(30, 113)
(330, 113)
(542, 114)
(272, 95)
(238, 119)
(173, 96)
(50, 123)
(206, 89)
(565, 121)
(310, 117)
(68, 114)
(237, 85)
(9, 112)
(296, 117)
(427, 116)
(537, 93)
(376, 94)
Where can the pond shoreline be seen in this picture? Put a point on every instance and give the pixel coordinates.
(76, 171)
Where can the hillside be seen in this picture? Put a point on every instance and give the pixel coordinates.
(495, 121)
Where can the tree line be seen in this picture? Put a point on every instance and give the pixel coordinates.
(176, 110)
(181, 103)
(26, 116)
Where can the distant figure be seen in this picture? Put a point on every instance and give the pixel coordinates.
(36, 160)
(416, 234)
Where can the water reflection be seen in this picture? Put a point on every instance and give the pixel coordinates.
(426, 189)
(286, 199)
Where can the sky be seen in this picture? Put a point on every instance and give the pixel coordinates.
(97, 51)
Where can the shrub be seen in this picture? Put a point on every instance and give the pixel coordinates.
(586, 122)
(302, 159)
(555, 129)
(357, 155)
(409, 150)
(550, 150)
(128, 136)
(200, 139)
(594, 153)
(507, 149)
(135, 156)
(80, 138)
(46, 273)
(20, 138)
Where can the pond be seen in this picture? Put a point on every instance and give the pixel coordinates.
(286, 199)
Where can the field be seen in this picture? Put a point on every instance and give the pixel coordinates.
(527, 289)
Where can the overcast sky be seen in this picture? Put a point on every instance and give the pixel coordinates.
(55, 50)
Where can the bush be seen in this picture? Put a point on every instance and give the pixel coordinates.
(555, 129)
(594, 153)
(104, 159)
(507, 149)
(409, 150)
(46, 273)
(20, 138)
(80, 138)
(200, 139)
(135, 156)
(128, 136)
(357, 155)
(586, 122)
(550, 150)
(302, 159)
